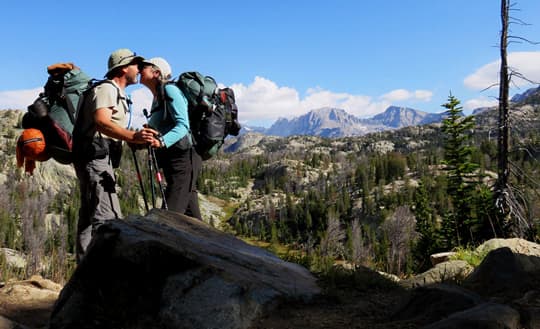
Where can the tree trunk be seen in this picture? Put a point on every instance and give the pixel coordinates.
(502, 192)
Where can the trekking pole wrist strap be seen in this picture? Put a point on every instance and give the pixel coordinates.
(161, 140)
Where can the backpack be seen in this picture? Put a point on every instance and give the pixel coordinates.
(55, 110)
(213, 113)
(84, 145)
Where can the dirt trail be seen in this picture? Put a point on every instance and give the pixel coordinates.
(344, 309)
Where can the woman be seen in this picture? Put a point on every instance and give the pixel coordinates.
(176, 155)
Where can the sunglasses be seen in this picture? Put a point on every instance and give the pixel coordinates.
(141, 66)
(136, 60)
(126, 57)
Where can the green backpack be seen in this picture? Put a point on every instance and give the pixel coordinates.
(213, 113)
(55, 110)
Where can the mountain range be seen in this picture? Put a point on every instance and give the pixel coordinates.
(334, 122)
(528, 96)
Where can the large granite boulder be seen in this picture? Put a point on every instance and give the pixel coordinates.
(450, 271)
(505, 273)
(516, 245)
(483, 316)
(166, 270)
(502, 292)
(431, 303)
(27, 302)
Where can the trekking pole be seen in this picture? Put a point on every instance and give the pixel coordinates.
(152, 160)
(159, 179)
(139, 177)
(150, 164)
(151, 174)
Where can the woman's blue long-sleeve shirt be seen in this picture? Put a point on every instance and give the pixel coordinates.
(176, 126)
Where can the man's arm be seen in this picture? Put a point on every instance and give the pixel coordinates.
(104, 125)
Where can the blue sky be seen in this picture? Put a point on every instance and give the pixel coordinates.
(283, 58)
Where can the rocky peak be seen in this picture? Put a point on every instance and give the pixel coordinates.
(531, 95)
(398, 117)
(324, 122)
(334, 122)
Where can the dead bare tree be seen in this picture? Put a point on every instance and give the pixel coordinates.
(399, 228)
(332, 240)
(361, 248)
(502, 188)
(512, 212)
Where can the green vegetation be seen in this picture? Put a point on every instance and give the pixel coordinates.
(384, 201)
(350, 201)
(471, 256)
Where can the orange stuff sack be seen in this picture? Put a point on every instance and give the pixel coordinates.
(31, 145)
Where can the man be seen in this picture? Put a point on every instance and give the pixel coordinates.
(100, 128)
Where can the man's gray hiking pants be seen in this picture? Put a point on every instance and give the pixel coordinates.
(99, 201)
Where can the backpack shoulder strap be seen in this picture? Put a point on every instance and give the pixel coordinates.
(93, 84)
(167, 111)
(118, 96)
(164, 98)
(82, 106)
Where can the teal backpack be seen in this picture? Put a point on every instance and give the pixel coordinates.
(55, 110)
(213, 113)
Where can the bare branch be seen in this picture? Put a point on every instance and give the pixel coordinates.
(512, 7)
(517, 171)
(522, 39)
(514, 20)
(521, 76)
(489, 87)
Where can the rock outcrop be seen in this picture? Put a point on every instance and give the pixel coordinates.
(502, 292)
(452, 270)
(27, 302)
(167, 270)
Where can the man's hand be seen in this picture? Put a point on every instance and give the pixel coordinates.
(144, 136)
(147, 136)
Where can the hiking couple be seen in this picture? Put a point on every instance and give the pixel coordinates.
(101, 128)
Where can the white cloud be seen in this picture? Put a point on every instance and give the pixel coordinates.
(265, 100)
(526, 63)
(397, 95)
(479, 102)
(423, 95)
(18, 99)
(354, 104)
(400, 95)
(262, 100)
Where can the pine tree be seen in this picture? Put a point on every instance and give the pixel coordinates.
(460, 171)
(428, 241)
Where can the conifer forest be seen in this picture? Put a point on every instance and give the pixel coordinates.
(386, 200)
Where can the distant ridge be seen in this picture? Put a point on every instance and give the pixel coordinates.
(399, 117)
(324, 122)
(334, 122)
(531, 95)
